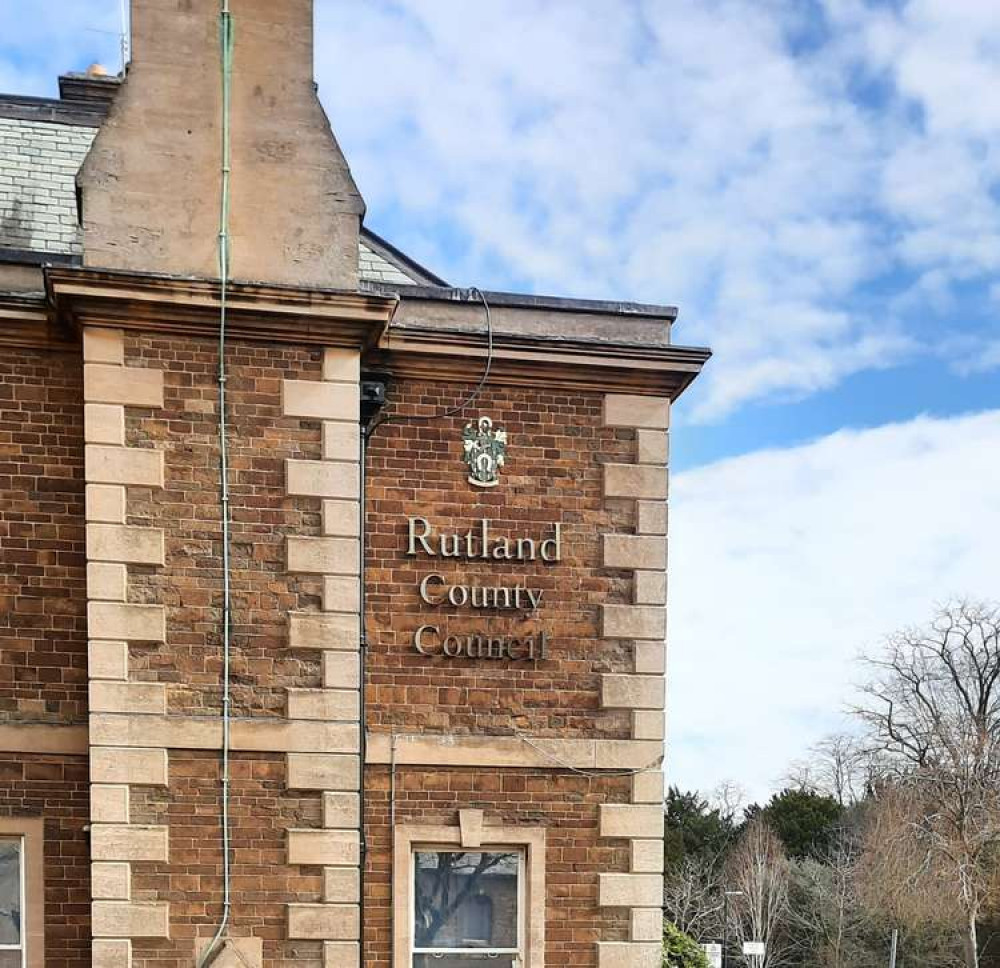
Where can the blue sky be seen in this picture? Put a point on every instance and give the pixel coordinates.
(815, 183)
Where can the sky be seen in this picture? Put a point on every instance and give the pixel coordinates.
(816, 185)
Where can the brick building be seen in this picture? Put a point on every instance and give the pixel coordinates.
(430, 731)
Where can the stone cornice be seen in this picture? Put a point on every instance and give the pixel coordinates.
(26, 322)
(175, 306)
(524, 360)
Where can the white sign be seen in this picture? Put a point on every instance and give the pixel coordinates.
(754, 948)
(713, 952)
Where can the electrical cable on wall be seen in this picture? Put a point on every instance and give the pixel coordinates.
(226, 41)
(468, 401)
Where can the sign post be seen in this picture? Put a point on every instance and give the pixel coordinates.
(754, 948)
(713, 952)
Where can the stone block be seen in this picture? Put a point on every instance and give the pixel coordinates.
(631, 821)
(110, 881)
(136, 766)
(323, 630)
(652, 447)
(341, 885)
(122, 543)
(234, 953)
(646, 924)
(323, 556)
(342, 670)
(651, 517)
(629, 954)
(626, 754)
(334, 847)
(324, 704)
(650, 658)
(106, 502)
(148, 698)
(123, 465)
(341, 954)
(322, 478)
(647, 787)
(630, 410)
(323, 771)
(341, 440)
(128, 623)
(123, 919)
(642, 482)
(107, 660)
(341, 593)
(106, 582)
(633, 622)
(648, 724)
(341, 365)
(319, 922)
(342, 810)
(315, 400)
(109, 803)
(630, 890)
(650, 588)
(295, 736)
(342, 518)
(103, 345)
(129, 842)
(104, 423)
(635, 551)
(128, 386)
(646, 857)
(631, 692)
(111, 954)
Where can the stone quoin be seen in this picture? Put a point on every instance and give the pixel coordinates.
(436, 685)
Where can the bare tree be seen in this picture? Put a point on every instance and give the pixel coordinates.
(758, 867)
(828, 914)
(932, 706)
(692, 897)
(840, 766)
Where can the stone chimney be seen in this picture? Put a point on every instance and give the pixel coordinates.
(150, 186)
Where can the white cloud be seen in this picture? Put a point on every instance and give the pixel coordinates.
(687, 152)
(786, 563)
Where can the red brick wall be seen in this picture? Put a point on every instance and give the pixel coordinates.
(43, 640)
(557, 444)
(56, 787)
(556, 447)
(43, 646)
(566, 805)
(260, 439)
(261, 811)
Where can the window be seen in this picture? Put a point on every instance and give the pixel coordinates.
(467, 909)
(470, 895)
(11, 902)
(22, 892)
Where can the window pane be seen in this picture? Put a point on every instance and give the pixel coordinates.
(465, 900)
(10, 891)
(10, 959)
(463, 961)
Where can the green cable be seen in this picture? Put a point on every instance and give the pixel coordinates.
(226, 38)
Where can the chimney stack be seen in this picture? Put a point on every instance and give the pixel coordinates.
(150, 187)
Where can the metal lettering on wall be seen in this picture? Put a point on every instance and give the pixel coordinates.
(481, 543)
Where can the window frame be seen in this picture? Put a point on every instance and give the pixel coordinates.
(30, 832)
(522, 862)
(529, 842)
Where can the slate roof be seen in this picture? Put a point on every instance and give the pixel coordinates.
(42, 145)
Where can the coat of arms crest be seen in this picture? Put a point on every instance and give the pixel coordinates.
(484, 450)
